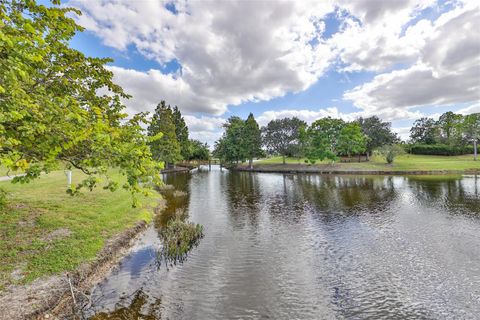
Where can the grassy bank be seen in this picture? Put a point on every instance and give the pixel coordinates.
(44, 231)
(405, 162)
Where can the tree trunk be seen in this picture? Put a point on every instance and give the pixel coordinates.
(368, 156)
(283, 158)
(250, 163)
(475, 149)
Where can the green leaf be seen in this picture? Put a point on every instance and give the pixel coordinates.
(28, 27)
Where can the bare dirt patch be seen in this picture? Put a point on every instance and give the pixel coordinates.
(57, 234)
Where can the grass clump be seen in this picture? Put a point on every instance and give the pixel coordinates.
(179, 237)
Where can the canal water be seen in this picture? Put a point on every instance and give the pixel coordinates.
(280, 246)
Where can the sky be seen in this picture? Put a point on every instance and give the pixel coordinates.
(397, 59)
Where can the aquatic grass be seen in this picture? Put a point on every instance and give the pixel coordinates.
(178, 193)
(165, 187)
(179, 237)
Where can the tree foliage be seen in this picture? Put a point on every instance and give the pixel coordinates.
(229, 148)
(251, 139)
(389, 152)
(423, 131)
(351, 140)
(378, 132)
(451, 134)
(198, 150)
(59, 105)
(449, 128)
(471, 130)
(181, 132)
(241, 140)
(166, 146)
(321, 139)
(282, 136)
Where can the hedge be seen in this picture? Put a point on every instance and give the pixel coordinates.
(439, 149)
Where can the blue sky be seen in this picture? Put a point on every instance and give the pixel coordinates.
(399, 60)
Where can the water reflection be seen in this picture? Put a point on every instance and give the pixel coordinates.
(311, 247)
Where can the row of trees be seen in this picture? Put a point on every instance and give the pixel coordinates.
(454, 130)
(172, 143)
(241, 140)
(325, 138)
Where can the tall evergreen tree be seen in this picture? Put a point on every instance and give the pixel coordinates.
(251, 139)
(167, 148)
(229, 148)
(181, 131)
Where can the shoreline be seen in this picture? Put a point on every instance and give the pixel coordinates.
(51, 297)
(178, 169)
(325, 170)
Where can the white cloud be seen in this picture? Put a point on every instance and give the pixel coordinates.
(403, 132)
(306, 115)
(229, 52)
(204, 128)
(372, 37)
(474, 108)
(446, 72)
(148, 88)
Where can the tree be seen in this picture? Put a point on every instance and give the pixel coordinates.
(321, 139)
(449, 127)
(424, 130)
(471, 130)
(389, 152)
(351, 140)
(198, 151)
(282, 136)
(58, 106)
(379, 133)
(229, 148)
(166, 148)
(251, 140)
(181, 132)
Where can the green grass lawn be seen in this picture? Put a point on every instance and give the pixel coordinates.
(4, 171)
(44, 231)
(401, 163)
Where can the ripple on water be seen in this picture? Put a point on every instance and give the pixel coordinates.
(312, 247)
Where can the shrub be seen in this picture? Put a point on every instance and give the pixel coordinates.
(389, 152)
(439, 149)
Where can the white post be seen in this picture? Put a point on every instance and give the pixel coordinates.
(69, 178)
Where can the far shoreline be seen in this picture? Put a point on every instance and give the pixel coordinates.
(403, 165)
(305, 169)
